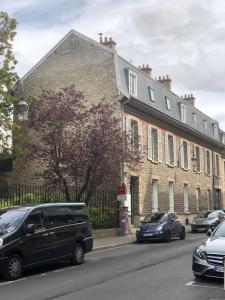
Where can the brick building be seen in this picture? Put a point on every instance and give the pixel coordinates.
(174, 132)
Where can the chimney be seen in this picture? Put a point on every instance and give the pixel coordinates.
(189, 98)
(146, 69)
(108, 42)
(166, 81)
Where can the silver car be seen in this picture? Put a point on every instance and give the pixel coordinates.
(208, 257)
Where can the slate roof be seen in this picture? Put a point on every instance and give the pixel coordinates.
(160, 91)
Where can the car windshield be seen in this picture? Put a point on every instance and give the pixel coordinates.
(220, 231)
(204, 214)
(213, 214)
(156, 218)
(11, 219)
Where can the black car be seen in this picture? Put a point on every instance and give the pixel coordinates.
(160, 226)
(34, 235)
(208, 257)
(207, 220)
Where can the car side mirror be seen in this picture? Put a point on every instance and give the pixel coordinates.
(209, 232)
(30, 228)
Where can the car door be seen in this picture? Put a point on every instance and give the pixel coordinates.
(172, 223)
(35, 246)
(60, 233)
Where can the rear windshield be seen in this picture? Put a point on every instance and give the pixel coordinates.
(204, 214)
(156, 218)
(11, 219)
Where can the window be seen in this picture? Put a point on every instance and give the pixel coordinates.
(217, 165)
(194, 117)
(36, 218)
(185, 190)
(134, 134)
(151, 94)
(205, 126)
(197, 198)
(207, 162)
(185, 154)
(208, 196)
(170, 150)
(223, 138)
(132, 83)
(215, 131)
(58, 216)
(167, 103)
(154, 195)
(183, 112)
(197, 155)
(171, 196)
(154, 144)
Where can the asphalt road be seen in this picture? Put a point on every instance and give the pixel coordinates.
(155, 271)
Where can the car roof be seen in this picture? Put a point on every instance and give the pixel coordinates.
(32, 206)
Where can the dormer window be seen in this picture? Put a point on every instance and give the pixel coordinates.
(132, 83)
(183, 112)
(223, 138)
(205, 125)
(151, 94)
(194, 117)
(215, 131)
(167, 103)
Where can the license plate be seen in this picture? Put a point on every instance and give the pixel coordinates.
(148, 234)
(219, 269)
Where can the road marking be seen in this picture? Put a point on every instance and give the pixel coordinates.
(9, 282)
(193, 283)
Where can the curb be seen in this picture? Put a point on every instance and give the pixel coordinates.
(112, 246)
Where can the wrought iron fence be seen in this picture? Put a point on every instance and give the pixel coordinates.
(102, 205)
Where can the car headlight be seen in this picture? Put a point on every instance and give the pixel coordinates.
(1, 242)
(159, 228)
(199, 253)
(138, 229)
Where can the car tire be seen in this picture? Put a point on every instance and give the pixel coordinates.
(78, 255)
(14, 267)
(182, 234)
(167, 236)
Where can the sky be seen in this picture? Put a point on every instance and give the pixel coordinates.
(184, 39)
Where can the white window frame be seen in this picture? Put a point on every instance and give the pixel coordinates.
(215, 131)
(168, 106)
(194, 116)
(155, 204)
(151, 94)
(183, 113)
(132, 83)
(205, 125)
(208, 163)
(185, 191)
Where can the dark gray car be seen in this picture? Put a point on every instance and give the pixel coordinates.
(206, 220)
(160, 226)
(208, 257)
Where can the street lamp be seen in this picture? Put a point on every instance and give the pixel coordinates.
(22, 111)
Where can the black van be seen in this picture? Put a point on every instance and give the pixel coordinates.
(33, 235)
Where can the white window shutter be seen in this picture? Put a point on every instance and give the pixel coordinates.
(200, 159)
(175, 150)
(159, 146)
(166, 148)
(189, 154)
(149, 142)
(181, 158)
(140, 135)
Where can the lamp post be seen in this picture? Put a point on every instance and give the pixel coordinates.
(22, 110)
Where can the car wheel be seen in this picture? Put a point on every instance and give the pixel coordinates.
(78, 255)
(167, 236)
(182, 234)
(14, 268)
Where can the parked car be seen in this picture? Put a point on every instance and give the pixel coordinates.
(208, 257)
(206, 220)
(160, 226)
(34, 235)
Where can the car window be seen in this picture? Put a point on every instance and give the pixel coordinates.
(36, 218)
(156, 218)
(220, 231)
(204, 214)
(78, 213)
(58, 216)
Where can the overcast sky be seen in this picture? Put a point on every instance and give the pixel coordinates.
(182, 38)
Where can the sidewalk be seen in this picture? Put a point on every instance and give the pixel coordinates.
(112, 242)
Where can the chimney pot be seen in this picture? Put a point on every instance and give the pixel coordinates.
(166, 81)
